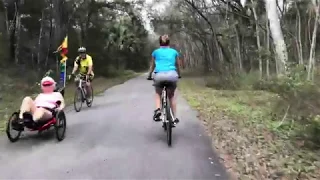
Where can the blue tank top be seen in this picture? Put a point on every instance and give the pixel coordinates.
(165, 59)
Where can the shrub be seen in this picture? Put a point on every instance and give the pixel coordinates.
(233, 82)
(301, 96)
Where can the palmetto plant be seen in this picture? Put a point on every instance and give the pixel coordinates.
(122, 35)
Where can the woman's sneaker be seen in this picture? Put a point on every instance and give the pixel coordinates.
(17, 124)
(176, 121)
(157, 114)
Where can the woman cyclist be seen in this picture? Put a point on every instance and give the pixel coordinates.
(165, 64)
(41, 107)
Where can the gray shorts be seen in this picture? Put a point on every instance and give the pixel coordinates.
(169, 78)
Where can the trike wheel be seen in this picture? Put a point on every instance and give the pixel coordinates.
(61, 125)
(78, 99)
(11, 136)
(90, 100)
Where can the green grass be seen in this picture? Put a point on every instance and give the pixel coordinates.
(246, 132)
(13, 93)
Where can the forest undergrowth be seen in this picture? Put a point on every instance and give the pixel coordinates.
(263, 129)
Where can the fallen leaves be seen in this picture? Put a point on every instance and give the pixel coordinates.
(241, 133)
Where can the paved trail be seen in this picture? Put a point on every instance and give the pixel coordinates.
(115, 139)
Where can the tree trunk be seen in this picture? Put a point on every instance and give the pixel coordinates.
(90, 12)
(277, 36)
(238, 49)
(57, 20)
(17, 35)
(311, 64)
(50, 35)
(39, 41)
(7, 20)
(206, 58)
(299, 44)
(268, 50)
(258, 37)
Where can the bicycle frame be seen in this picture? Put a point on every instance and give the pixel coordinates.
(81, 85)
(164, 105)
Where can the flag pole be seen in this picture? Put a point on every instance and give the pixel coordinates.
(61, 66)
(57, 62)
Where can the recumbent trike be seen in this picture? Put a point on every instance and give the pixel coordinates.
(58, 122)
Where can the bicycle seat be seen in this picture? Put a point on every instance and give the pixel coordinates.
(165, 84)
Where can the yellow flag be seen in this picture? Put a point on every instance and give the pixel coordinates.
(64, 46)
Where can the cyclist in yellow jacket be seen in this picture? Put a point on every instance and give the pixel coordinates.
(84, 63)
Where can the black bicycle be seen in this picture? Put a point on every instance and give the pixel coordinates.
(167, 116)
(80, 95)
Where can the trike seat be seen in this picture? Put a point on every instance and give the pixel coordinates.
(29, 122)
(60, 90)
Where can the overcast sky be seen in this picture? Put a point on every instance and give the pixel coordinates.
(158, 6)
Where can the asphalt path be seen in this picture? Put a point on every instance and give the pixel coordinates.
(115, 139)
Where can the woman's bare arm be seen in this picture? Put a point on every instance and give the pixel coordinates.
(75, 67)
(152, 66)
(178, 62)
(61, 98)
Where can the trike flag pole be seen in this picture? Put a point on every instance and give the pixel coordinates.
(63, 49)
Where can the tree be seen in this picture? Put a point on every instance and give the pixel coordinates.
(278, 40)
(233, 37)
(111, 30)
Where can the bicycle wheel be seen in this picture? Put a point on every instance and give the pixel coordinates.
(61, 125)
(164, 116)
(78, 99)
(168, 123)
(89, 103)
(11, 137)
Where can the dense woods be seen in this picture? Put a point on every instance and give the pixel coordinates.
(265, 48)
(112, 32)
(232, 38)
